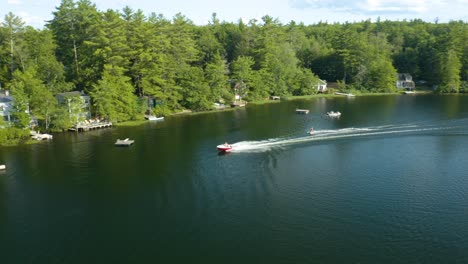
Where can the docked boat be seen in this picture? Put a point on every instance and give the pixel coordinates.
(124, 142)
(346, 94)
(38, 136)
(224, 147)
(154, 118)
(333, 114)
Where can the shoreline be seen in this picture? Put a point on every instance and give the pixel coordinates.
(139, 122)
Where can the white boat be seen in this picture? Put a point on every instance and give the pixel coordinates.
(124, 142)
(311, 131)
(3, 167)
(333, 114)
(154, 118)
(39, 136)
(409, 92)
(346, 94)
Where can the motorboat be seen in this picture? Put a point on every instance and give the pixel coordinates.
(154, 118)
(124, 142)
(3, 167)
(333, 114)
(311, 131)
(224, 147)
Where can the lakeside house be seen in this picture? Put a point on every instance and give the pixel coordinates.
(6, 105)
(321, 86)
(405, 82)
(78, 104)
(149, 101)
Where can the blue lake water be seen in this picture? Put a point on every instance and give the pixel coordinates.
(385, 183)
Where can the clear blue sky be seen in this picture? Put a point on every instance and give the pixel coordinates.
(35, 12)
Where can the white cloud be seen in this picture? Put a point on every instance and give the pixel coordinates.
(14, 2)
(417, 6)
(374, 6)
(30, 19)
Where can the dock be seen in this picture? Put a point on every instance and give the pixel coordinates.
(87, 125)
(238, 104)
(302, 111)
(124, 142)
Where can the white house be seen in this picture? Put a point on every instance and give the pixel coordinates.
(6, 105)
(78, 104)
(321, 86)
(405, 81)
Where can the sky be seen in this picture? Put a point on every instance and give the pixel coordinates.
(36, 12)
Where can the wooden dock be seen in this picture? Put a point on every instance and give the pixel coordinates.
(302, 111)
(238, 104)
(86, 126)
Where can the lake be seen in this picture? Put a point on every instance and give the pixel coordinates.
(387, 182)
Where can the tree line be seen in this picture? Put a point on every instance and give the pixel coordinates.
(118, 57)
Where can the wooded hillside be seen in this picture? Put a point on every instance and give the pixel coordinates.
(119, 56)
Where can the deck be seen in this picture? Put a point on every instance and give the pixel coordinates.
(86, 126)
(124, 142)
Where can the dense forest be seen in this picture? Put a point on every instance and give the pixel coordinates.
(118, 57)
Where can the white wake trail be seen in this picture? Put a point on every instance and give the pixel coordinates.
(321, 135)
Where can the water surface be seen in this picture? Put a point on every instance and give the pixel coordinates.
(385, 183)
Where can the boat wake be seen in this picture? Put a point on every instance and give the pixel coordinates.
(347, 133)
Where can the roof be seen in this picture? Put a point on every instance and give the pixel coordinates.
(5, 99)
(73, 93)
(404, 77)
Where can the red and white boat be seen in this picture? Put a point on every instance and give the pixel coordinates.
(224, 147)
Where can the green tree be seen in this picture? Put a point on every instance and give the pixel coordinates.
(243, 75)
(41, 49)
(20, 109)
(450, 69)
(13, 40)
(113, 96)
(72, 25)
(196, 93)
(216, 73)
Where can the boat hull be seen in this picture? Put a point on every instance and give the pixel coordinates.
(223, 148)
(154, 118)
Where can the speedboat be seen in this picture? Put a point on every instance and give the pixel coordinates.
(311, 131)
(333, 114)
(224, 147)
